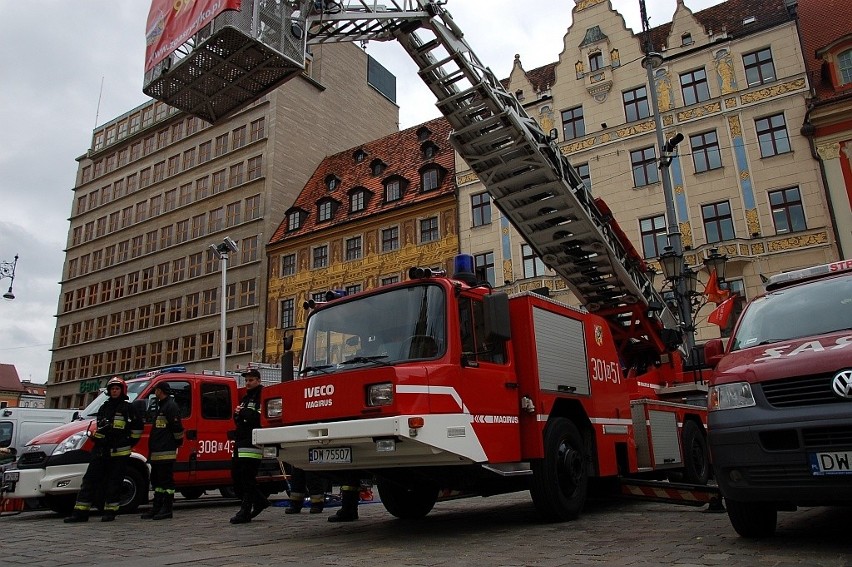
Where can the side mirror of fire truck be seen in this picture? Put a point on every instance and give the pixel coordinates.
(713, 352)
(497, 324)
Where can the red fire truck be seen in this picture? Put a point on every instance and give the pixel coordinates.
(781, 399)
(438, 383)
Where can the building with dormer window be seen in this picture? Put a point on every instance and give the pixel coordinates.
(393, 206)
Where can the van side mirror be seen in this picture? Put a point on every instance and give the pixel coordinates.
(714, 350)
(75, 416)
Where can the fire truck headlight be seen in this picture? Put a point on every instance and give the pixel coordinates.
(71, 443)
(380, 394)
(274, 408)
(730, 396)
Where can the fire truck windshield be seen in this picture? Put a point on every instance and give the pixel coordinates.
(133, 389)
(397, 325)
(819, 307)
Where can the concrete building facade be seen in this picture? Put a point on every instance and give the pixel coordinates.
(141, 287)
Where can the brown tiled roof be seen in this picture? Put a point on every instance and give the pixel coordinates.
(401, 152)
(9, 381)
(541, 78)
(729, 16)
(821, 23)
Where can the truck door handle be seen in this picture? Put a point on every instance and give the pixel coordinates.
(191, 434)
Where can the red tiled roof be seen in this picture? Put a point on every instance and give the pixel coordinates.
(402, 154)
(9, 381)
(821, 23)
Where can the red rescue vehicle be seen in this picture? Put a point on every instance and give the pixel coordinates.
(52, 465)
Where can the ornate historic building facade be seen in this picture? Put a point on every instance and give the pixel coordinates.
(365, 217)
(141, 287)
(734, 83)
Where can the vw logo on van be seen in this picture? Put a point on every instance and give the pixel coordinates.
(842, 384)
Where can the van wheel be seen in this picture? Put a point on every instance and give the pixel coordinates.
(696, 457)
(560, 480)
(192, 493)
(62, 504)
(134, 491)
(752, 520)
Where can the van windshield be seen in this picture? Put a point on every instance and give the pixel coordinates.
(134, 387)
(820, 307)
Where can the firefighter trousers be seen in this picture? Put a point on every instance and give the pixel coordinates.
(105, 475)
(163, 476)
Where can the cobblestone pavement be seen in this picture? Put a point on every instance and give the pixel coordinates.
(494, 532)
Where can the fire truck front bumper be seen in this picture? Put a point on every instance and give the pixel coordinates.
(386, 442)
(35, 483)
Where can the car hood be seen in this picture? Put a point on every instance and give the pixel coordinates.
(798, 357)
(58, 434)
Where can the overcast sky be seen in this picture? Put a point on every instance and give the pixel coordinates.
(59, 53)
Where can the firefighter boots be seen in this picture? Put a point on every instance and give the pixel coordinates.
(155, 507)
(109, 515)
(261, 504)
(349, 507)
(165, 512)
(77, 515)
(244, 515)
(297, 500)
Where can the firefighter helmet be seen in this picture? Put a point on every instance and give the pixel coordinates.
(115, 380)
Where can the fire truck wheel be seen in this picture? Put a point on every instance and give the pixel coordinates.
(191, 493)
(62, 504)
(696, 457)
(560, 480)
(752, 519)
(407, 503)
(134, 490)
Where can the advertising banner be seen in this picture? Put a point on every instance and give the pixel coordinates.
(172, 22)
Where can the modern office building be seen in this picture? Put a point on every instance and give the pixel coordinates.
(141, 285)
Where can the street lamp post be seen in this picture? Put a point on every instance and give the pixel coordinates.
(7, 270)
(223, 252)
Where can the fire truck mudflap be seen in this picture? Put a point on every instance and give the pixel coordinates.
(399, 441)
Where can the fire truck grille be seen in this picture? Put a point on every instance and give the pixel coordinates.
(32, 460)
(800, 391)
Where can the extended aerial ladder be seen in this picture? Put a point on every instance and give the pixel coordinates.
(244, 54)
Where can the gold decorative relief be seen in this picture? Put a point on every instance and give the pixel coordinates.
(758, 248)
(686, 233)
(508, 276)
(664, 90)
(744, 175)
(583, 4)
(668, 120)
(794, 242)
(734, 125)
(641, 128)
(753, 221)
(743, 250)
(699, 111)
(678, 190)
(725, 69)
(730, 102)
(466, 178)
(578, 146)
(773, 91)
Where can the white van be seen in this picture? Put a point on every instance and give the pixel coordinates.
(19, 425)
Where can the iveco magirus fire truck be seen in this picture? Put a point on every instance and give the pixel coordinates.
(438, 383)
(781, 399)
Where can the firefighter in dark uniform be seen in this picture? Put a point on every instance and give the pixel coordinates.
(166, 436)
(118, 429)
(350, 495)
(302, 482)
(246, 459)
